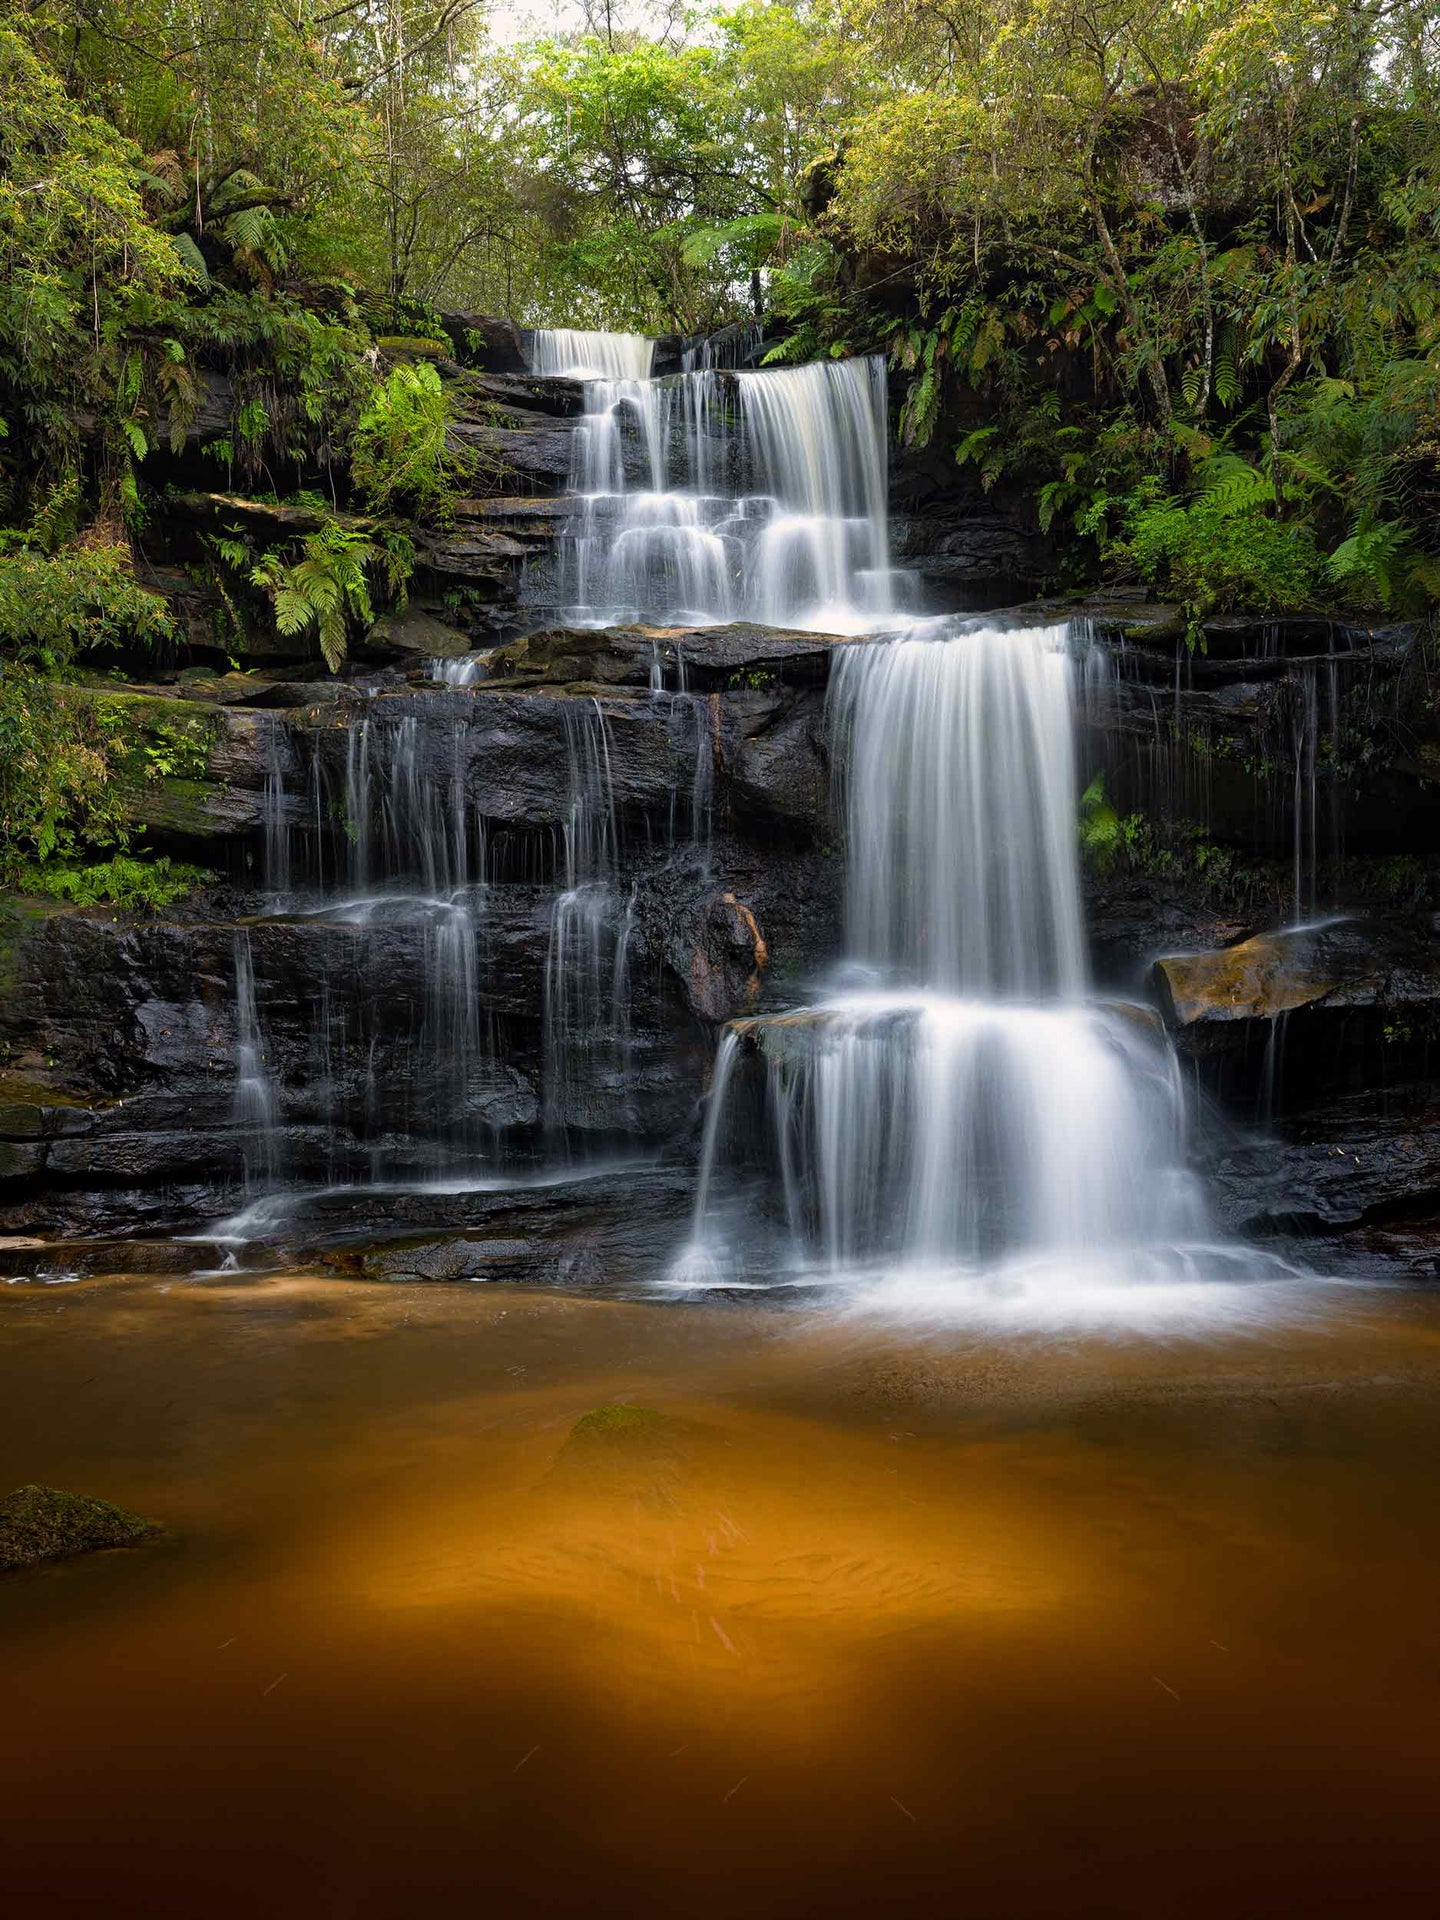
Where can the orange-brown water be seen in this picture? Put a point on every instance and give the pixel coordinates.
(867, 1625)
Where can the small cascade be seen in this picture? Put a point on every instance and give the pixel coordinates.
(963, 1131)
(715, 495)
(571, 353)
(732, 347)
(587, 958)
(463, 670)
(818, 434)
(276, 809)
(256, 1106)
(962, 1110)
(1314, 722)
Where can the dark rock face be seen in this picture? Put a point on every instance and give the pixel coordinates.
(980, 552)
(736, 657)
(1366, 1160)
(487, 340)
(541, 454)
(418, 1005)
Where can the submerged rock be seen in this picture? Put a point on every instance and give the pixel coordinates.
(631, 1452)
(42, 1523)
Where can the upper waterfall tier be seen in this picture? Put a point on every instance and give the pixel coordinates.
(572, 353)
(713, 496)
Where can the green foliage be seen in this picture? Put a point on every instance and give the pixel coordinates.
(325, 587)
(1381, 564)
(56, 757)
(1161, 226)
(1171, 850)
(1224, 550)
(1102, 832)
(121, 881)
(414, 345)
(56, 605)
(399, 456)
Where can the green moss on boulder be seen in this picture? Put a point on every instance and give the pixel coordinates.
(624, 1452)
(620, 1425)
(42, 1523)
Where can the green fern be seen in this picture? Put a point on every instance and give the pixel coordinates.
(326, 589)
(1373, 559)
(1231, 485)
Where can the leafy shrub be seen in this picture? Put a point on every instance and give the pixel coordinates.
(1380, 565)
(399, 455)
(328, 587)
(417, 345)
(56, 758)
(121, 881)
(53, 606)
(1226, 549)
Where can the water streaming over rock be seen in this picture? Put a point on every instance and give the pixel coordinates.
(256, 1106)
(957, 789)
(960, 1108)
(715, 495)
(587, 960)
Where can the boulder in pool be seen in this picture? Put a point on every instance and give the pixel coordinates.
(41, 1523)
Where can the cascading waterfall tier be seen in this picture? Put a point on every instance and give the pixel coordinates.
(962, 1108)
(714, 495)
(957, 790)
(505, 1042)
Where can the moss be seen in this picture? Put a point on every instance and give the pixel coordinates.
(415, 347)
(629, 1452)
(159, 734)
(42, 1523)
(620, 1423)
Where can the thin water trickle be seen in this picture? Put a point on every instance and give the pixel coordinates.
(587, 980)
(256, 1105)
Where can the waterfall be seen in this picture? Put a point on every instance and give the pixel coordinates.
(957, 779)
(586, 1014)
(571, 353)
(962, 1129)
(818, 433)
(959, 1109)
(256, 1105)
(714, 495)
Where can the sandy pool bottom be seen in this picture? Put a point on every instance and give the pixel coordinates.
(834, 1620)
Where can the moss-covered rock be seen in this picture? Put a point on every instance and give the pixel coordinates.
(42, 1523)
(621, 1425)
(630, 1452)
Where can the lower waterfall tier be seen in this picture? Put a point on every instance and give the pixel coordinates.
(893, 1132)
(491, 932)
